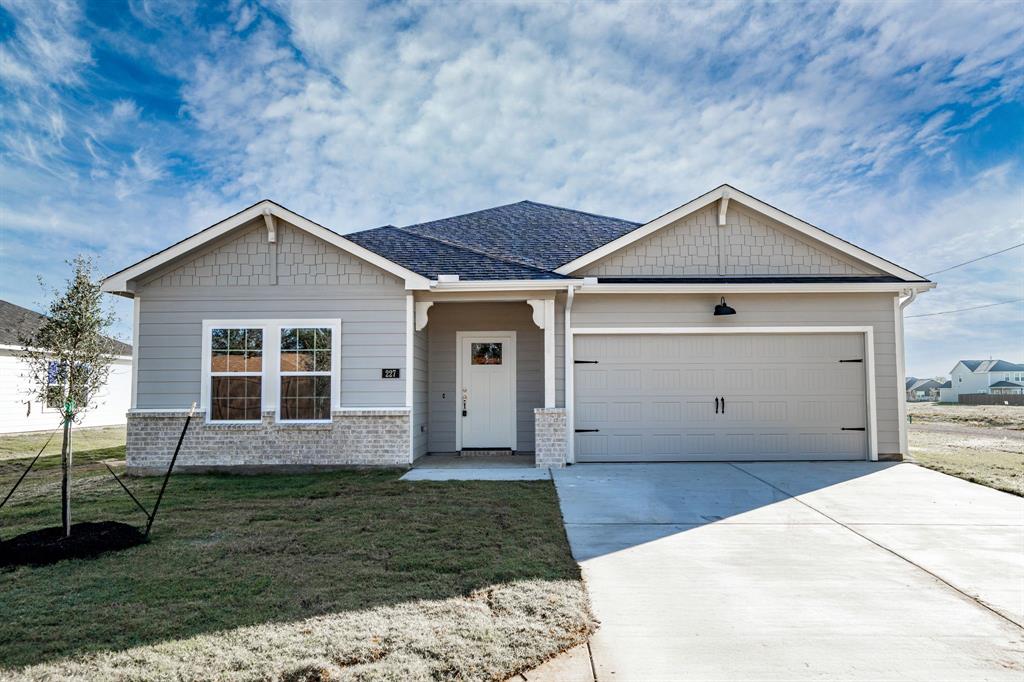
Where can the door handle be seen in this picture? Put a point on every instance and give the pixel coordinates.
(716, 404)
(723, 404)
(464, 411)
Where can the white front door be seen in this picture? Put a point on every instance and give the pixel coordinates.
(487, 390)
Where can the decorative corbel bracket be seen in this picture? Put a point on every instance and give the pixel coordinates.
(268, 217)
(538, 311)
(421, 313)
(723, 208)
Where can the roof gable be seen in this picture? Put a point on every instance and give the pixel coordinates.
(123, 282)
(244, 258)
(722, 200)
(747, 244)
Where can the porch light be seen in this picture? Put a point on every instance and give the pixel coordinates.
(724, 309)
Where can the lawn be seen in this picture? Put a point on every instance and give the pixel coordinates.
(982, 444)
(344, 575)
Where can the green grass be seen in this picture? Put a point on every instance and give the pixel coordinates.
(348, 574)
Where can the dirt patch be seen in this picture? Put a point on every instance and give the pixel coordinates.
(48, 546)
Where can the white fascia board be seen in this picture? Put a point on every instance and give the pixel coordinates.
(756, 204)
(506, 285)
(761, 288)
(118, 283)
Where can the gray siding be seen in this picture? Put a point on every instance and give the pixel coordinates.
(448, 318)
(874, 310)
(420, 392)
(370, 303)
(748, 244)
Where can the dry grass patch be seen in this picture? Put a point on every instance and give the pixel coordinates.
(1005, 416)
(347, 575)
(991, 457)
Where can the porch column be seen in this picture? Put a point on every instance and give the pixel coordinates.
(549, 353)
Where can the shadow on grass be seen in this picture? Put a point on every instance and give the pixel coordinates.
(236, 551)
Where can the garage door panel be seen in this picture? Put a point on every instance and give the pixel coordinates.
(787, 397)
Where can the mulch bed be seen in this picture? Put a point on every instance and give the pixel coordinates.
(48, 545)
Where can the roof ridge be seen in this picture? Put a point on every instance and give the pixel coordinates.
(472, 250)
(461, 215)
(574, 210)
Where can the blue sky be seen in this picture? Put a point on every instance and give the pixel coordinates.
(129, 125)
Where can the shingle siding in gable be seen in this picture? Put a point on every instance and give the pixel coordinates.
(245, 260)
(749, 244)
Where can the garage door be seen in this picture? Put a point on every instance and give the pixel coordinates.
(679, 397)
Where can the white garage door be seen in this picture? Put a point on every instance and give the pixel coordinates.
(678, 397)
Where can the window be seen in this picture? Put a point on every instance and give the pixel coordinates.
(54, 392)
(305, 374)
(288, 367)
(485, 353)
(236, 374)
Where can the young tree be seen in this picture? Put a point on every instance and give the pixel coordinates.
(69, 357)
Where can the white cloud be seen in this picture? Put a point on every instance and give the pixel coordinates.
(359, 115)
(125, 110)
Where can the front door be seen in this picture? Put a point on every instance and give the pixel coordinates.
(487, 392)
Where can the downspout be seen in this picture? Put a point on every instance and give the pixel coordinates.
(901, 382)
(570, 454)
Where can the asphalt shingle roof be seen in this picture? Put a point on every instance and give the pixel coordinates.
(1006, 384)
(526, 240)
(982, 366)
(16, 322)
(431, 258)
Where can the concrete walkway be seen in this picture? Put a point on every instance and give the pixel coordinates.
(757, 571)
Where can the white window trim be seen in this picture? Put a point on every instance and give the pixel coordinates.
(271, 368)
(869, 362)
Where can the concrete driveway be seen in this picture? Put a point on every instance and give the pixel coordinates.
(765, 571)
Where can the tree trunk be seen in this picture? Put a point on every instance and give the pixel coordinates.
(65, 483)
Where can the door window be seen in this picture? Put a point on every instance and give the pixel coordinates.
(486, 353)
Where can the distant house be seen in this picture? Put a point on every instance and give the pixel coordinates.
(921, 390)
(996, 377)
(20, 408)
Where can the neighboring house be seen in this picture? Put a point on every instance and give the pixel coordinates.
(525, 328)
(920, 390)
(996, 377)
(20, 408)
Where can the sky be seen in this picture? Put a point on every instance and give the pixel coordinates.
(126, 126)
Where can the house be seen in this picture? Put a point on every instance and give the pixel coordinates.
(20, 408)
(919, 390)
(995, 377)
(724, 329)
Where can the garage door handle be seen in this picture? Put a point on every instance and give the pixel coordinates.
(723, 404)
(716, 405)
(584, 362)
(587, 430)
(853, 428)
(857, 360)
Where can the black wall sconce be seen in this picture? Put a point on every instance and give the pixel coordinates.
(724, 309)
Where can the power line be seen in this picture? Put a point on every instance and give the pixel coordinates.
(961, 310)
(973, 260)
